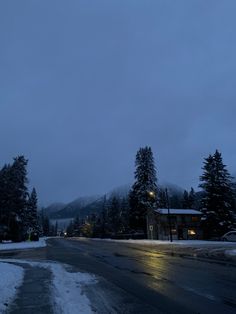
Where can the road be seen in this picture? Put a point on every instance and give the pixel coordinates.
(138, 279)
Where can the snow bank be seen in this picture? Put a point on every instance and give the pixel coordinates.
(68, 291)
(231, 252)
(11, 278)
(23, 245)
(66, 287)
(175, 242)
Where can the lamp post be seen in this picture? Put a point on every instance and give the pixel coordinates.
(169, 218)
(151, 195)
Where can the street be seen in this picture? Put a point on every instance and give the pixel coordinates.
(138, 279)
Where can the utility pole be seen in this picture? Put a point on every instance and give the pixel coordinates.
(169, 218)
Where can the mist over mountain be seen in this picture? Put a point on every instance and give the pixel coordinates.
(120, 191)
(73, 209)
(53, 208)
(172, 188)
(84, 206)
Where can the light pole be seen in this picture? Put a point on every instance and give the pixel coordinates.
(152, 196)
(169, 218)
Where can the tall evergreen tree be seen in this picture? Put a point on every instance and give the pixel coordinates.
(143, 195)
(185, 201)
(218, 200)
(31, 217)
(114, 219)
(162, 198)
(19, 178)
(124, 215)
(5, 197)
(191, 198)
(13, 197)
(188, 199)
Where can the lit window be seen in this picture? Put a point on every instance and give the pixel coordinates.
(191, 232)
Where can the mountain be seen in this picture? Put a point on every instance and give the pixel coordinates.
(84, 206)
(75, 208)
(173, 189)
(119, 192)
(53, 208)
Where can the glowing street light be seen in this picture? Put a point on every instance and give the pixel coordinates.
(151, 193)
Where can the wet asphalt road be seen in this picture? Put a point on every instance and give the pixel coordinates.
(138, 279)
(145, 280)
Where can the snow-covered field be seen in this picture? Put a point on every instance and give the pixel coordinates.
(23, 245)
(66, 287)
(11, 278)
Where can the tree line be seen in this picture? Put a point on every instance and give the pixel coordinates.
(121, 217)
(19, 215)
(118, 217)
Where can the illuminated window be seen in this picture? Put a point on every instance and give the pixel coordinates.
(195, 219)
(191, 232)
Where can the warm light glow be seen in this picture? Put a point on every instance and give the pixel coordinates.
(191, 232)
(151, 193)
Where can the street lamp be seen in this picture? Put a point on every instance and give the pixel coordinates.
(152, 196)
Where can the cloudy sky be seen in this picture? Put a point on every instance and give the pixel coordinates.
(85, 83)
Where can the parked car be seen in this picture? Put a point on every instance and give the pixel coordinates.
(229, 236)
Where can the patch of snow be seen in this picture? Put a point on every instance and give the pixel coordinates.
(231, 252)
(23, 245)
(11, 278)
(68, 291)
(66, 288)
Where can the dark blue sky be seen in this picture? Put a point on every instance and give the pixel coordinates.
(84, 84)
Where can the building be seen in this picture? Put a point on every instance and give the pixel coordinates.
(184, 224)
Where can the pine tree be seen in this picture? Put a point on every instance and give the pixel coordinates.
(191, 198)
(218, 200)
(188, 199)
(45, 225)
(31, 221)
(17, 193)
(103, 218)
(185, 201)
(124, 215)
(162, 198)
(5, 197)
(143, 195)
(114, 220)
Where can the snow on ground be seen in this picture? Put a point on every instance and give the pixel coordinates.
(66, 287)
(231, 252)
(229, 248)
(23, 245)
(175, 242)
(11, 278)
(68, 291)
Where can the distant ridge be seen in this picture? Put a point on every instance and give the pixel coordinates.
(84, 206)
(73, 209)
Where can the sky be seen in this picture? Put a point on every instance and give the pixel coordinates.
(85, 83)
